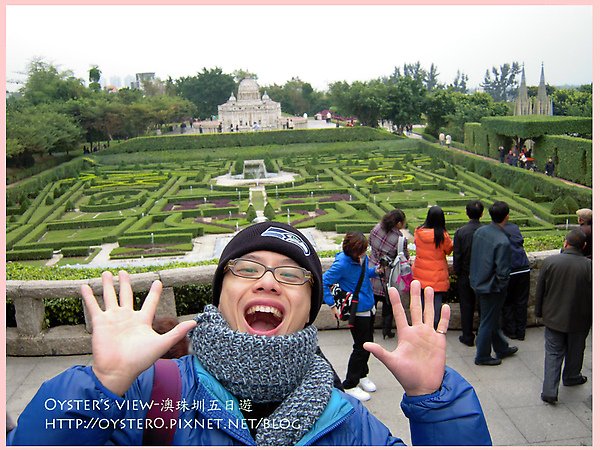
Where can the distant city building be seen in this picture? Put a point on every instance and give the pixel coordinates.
(542, 104)
(140, 78)
(248, 109)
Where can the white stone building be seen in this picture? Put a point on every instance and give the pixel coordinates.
(249, 111)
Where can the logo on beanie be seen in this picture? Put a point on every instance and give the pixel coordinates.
(287, 236)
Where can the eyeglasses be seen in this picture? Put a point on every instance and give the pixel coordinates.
(246, 268)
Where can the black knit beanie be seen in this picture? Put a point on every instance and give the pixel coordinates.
(279, 238)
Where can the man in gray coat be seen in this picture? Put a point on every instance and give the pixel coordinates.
(564, 300)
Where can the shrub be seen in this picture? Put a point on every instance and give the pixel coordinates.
(250, 213)
(570, 204)
(238, 167)
(269, 211)
(559, 207)
(450, 172)
(63, 311)
(527, 191)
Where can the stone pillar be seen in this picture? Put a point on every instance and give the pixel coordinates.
(29, 314)
(166, 305)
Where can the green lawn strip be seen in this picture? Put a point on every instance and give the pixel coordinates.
(79, 259)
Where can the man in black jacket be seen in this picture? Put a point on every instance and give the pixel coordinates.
(462, 264)
(514, 311)
(564, 300)
(489, 276)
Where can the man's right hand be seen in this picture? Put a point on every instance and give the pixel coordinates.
(123, 341)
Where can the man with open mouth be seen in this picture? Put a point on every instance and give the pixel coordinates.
(255, 377)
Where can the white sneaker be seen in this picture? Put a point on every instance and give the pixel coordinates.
(367, 385)
(358, 394)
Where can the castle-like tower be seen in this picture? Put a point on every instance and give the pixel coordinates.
(542, 104)
(522, 103)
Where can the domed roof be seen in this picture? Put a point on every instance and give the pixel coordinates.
(248, 84)
(248, 89)
(265, 96)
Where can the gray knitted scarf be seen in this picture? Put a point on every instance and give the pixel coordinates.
(267, 369)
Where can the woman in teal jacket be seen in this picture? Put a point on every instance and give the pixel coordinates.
(255, 377)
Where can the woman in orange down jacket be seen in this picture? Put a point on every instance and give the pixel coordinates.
(433, 245)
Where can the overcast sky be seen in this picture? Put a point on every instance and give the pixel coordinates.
(318, 44)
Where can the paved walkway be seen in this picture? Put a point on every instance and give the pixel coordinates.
(509, 393)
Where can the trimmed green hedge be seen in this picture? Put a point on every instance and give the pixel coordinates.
(572, 156)
(481, 140)
(541, 184)
(168, 238)
(89, 223)
(280, 137)
(75, 251)
(38, 182)
(30, 254)
(534, 126)
(575, 154)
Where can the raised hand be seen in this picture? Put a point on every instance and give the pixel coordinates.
(419, 360)
(123, 341)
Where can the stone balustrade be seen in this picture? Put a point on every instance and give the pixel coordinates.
(31, 338)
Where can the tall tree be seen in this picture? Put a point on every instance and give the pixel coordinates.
(438, 106)
(240, 74)
(573, 102)
(38, 130)
(460, 82)
(94, 78)
(502, 84)
(45, 84)
(414, 71)
(340, 100)
(431, 78)
(297, 97)
(207, 90)
(405, 101)
(471, 108)
(368, 101)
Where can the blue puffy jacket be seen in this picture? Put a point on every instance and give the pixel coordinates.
(74, 408)
(346, 272)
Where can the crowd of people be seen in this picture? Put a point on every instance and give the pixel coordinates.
(255, 374)
(524, 159)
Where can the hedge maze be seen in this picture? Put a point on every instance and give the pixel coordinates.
(153, 203)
